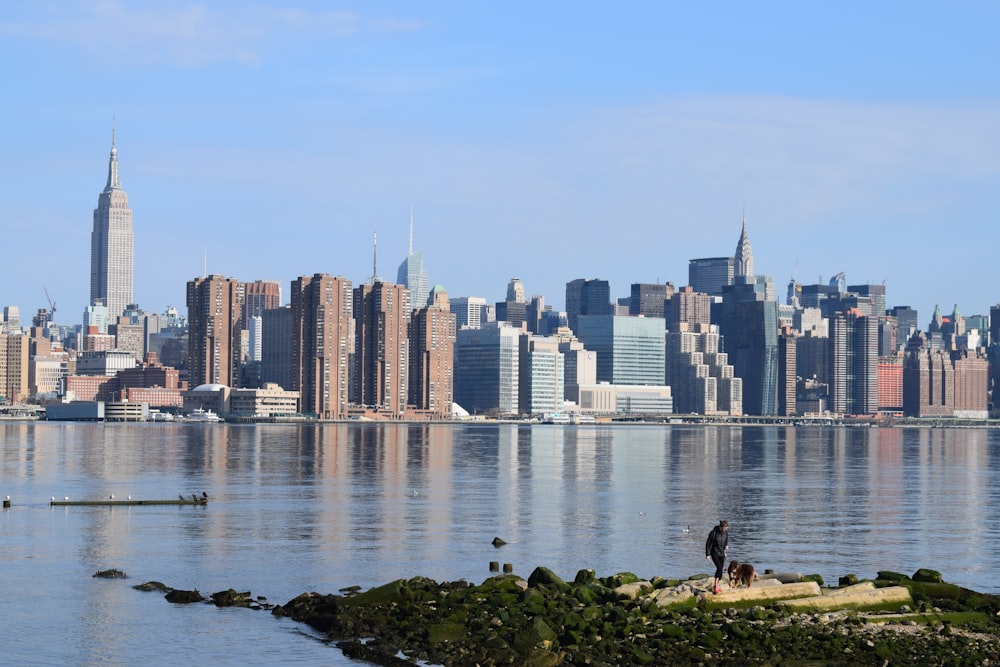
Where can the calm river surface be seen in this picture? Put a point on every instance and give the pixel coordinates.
(319, 508)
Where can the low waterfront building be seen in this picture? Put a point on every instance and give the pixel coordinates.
(620, 399)
(267, 403)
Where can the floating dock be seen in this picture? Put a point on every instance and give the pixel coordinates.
(127, 502)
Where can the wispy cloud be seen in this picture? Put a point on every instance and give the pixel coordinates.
(189, 35)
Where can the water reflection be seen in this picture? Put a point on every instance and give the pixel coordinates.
(322, 507)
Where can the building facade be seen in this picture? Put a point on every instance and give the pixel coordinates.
(470, 311)
(541, 375)
(749, 326)
(14, 368)
(215, 309)
(630, 350)
(276, 364)
(322, 322)
(260, 295)
(381, 348)
(650, 299)
(854, 365)
(586, 296)
(432, 357)
(487, 371)
(710, 274)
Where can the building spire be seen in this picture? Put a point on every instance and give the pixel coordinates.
(409, 250)
(113, 182)
(743, 261)
(375, 277)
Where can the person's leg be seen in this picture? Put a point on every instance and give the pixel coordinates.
(719, 565)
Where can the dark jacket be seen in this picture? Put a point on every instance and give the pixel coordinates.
(717, 542)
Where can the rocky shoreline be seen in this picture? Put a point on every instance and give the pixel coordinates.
(544, 621)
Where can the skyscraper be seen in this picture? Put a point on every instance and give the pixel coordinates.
(432, 356)
(215, 307)
(322, 308)
(749, 326)
(412, 276)
(854, 363)
(381, 349)
(112, 244)
(260, 295)
(587, 296)
(710, 274)
(630, 350)
(487, 363)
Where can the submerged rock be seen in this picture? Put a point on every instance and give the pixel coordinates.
(110, 574)
(153, 586)
(231, 598)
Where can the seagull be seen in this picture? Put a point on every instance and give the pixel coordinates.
(130, 497)
(194, 497)
(66, 498)
(111, 497)
(180, 496)
(686, 530)
(204, 496)
(642, 514)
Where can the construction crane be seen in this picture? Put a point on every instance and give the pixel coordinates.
(52, 304)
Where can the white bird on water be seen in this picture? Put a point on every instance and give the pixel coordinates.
(686, 530)
(111, 497)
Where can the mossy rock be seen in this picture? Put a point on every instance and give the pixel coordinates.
(586, 594)
(620, 579)
(814, 577)
(507, 583)
(543, 576)
(894, 577)
(543, 658)
(530, 637)
(940, 591)
(394, 591)
(446, 632)
(584, 577)
(848, 580)
(927, 575)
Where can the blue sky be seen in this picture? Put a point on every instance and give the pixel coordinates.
(547, 141)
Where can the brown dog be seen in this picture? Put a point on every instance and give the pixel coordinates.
(741, 574)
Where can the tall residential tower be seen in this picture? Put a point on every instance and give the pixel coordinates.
(112, 244)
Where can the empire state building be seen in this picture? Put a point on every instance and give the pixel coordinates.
(112, 244)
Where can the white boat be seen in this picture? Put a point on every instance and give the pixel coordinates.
(199, 415)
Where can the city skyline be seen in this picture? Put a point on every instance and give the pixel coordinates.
(273, 142)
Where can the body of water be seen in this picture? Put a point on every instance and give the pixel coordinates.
(319, 508)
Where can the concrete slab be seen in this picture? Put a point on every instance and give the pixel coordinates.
(862, 597)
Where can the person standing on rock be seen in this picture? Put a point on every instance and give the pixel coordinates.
(715, 550)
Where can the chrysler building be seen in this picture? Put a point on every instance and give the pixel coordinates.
(112, 244)
(743, 260)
